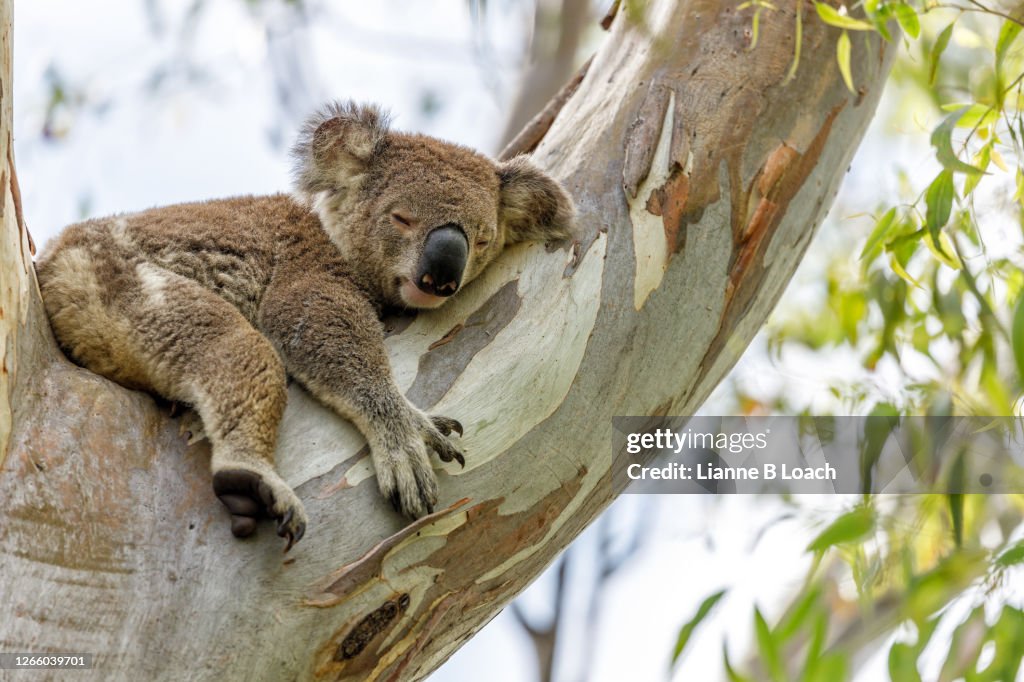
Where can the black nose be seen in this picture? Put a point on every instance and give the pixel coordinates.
(444, 258)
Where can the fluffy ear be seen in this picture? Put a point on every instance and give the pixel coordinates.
(337, 142)
(533, 205)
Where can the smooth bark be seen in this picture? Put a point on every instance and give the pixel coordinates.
(700, 173)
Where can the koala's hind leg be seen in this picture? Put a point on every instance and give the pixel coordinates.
(164, 333)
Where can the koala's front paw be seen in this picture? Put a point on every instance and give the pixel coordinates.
(249, 495)
(404, 473)
(406, 478)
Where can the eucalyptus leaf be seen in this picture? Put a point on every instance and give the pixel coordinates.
(768, 648)
(687, 630)
(942, 140)
(907, 17)
(1012, 556)
(832, 17)
(878, 234)
(937, 49)
(903, 663)
(939, 203)
(850, 527)
(1017, 337)
(843, 58)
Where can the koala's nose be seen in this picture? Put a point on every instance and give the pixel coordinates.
(444, 259)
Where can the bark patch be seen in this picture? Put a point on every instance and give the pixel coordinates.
(784, 173)
(370, 626)
(442, 365)
(669, 202)
(361, 571)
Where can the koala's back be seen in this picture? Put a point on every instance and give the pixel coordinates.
(104, 279)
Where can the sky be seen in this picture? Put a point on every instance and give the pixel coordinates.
(163, 111)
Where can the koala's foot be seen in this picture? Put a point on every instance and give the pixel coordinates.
(404, 473)
(249, 496)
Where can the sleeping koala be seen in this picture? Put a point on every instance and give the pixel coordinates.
(212, 304)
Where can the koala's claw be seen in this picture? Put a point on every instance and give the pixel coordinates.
(446, 451)
(248, 497)
(420, 505)
(286, 530)
(446, 425)
(444, 448)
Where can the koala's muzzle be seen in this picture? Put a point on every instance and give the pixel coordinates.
(443, 261)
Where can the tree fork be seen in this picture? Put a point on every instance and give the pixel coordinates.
(700, 171)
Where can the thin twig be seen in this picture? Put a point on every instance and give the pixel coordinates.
(989, 10)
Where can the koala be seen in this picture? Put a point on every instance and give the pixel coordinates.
(214, 304)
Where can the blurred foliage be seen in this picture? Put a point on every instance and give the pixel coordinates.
(933, 292)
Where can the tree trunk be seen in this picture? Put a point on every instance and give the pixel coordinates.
(700, 174)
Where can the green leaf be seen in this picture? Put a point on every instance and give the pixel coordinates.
(767, 647)
(939, 201)
(898, 268)
(1007, 34)
(755, 28)
(880, 19)
(879, 233)
(797, 615)
(798, 42)
(981, 160)
(944, 250)
(819, 634)
(933, 590)
(942, 140)
(687, 630)
(937, 49)
(907, 16)
(1012, 556)
(1007, 633)
(903, 663)
(974, 115)
(849, 527)
(1017, 336)
(843, 57)
(956, 511)
(832, 17)
(730, 672)
(831, 667)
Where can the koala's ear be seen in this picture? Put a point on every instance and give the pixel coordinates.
(337, 142)
(533, 205)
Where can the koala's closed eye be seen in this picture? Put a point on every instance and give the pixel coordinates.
(403, 221)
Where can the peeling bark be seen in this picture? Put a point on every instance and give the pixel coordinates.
(700, 175)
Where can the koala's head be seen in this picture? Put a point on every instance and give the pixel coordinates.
(416, 217)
